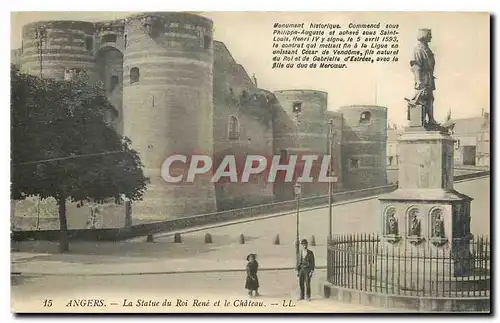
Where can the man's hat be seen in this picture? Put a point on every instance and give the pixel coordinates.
(252, 254)
(303, 242)
(423, 33)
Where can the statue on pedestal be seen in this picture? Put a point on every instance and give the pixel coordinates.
(254, 80)
(391, 231)
(437, 224)
(415, 226)
(391, 224)
(422, 65)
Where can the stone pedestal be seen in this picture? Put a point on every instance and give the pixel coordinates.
(423, 275)
(416, 115)
(425, 213)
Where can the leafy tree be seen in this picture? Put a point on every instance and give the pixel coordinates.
(63, 146)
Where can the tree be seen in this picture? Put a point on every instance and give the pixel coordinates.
(64, 147)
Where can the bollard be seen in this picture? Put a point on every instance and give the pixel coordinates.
(313, 240)
(177, 238)
(150, 238)
(277, 239)
(208, 238)
(242, 239)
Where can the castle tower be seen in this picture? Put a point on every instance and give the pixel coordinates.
(110, 43)
(58, 49)
(310, 137)
(168, 108)
(364, 140)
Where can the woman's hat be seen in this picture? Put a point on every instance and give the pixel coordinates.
(250, 255)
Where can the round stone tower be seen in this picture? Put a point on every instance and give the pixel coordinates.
(312, 126)
(168, 106)
(110, 42)
(338, 124)
(364, 140)
(308, 138)
(58, 49)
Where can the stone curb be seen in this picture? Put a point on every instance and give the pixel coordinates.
(29, 273)
(253, 219)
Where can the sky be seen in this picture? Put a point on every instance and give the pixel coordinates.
(461, 44)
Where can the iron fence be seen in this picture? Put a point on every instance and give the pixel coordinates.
(367, 262)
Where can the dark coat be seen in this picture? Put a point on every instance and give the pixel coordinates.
(252, 282)
(307, 262)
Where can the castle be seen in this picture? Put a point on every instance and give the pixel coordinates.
(176, 90)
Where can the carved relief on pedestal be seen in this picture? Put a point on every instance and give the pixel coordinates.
(437, 231)
(414, 225)
(391, 226)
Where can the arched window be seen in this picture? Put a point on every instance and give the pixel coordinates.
(365, 117)
(113, 82)
(234, 128)
(134, 75)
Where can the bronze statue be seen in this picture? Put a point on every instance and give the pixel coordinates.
(422, 66)
(391, 224)
(254, 80)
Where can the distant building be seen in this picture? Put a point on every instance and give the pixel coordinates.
(392, 147)
(483, 143)
(472, 146)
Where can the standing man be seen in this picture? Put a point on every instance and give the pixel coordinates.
(305, 270)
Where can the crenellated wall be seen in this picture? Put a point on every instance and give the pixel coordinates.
(242, 126)
(51, 48)
(310, 137)
(177, 91)
(168, 107)
(364, 141)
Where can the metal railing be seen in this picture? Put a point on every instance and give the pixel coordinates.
(366, 262)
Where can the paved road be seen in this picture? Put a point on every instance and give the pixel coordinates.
(225, 252)
(28, 293)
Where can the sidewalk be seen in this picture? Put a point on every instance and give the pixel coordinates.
(170, 266)
(162, 257)
(225, 253)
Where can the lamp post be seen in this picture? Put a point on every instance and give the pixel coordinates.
(298, 189)
(40, 36)
(297, 109)
(330, 173)
(331, 177)
(128, 211)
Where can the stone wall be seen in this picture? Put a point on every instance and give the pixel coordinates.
(168, 108)
(364, 141)
(285, 207)
(63, 46)
(310, 137)
(35, 214)
(241, 126)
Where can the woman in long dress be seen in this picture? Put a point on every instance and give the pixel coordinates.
(252, 281)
